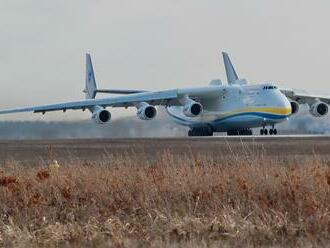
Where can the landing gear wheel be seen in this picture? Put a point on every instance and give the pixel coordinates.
(245, 132)
(200, 131)
(273, 131)
(242, 132)
(232, 132)
(264, 131)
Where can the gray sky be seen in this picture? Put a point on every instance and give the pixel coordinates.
(156, 45)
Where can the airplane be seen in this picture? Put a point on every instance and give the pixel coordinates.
(234, 108)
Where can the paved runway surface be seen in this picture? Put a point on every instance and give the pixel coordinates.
(93, 150)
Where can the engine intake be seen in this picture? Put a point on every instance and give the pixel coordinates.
(101, 116)
(319, 109)
(294, 107)
(192, 109)
(146, 111)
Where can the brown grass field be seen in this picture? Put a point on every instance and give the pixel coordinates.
(175, 200)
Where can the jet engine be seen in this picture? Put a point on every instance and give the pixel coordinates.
(294, 107)
(146, 111)
(192, 108)
(319, 109)
(101, 116)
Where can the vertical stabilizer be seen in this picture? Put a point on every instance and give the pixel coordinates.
(90, 87)
(230, 70)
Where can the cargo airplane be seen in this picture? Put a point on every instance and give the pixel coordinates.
(234, 108)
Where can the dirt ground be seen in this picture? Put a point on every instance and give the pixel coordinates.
(36, 152)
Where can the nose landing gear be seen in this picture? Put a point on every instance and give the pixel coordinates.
(272, 131)
(263, 131)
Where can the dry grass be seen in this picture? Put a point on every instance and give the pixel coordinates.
(186, 201)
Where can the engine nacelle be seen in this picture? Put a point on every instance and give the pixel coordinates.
(319, 109)
(146, 111)
(294, 107)
(101, 116)
(192, 108)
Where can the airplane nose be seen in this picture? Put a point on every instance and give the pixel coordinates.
(285, 104)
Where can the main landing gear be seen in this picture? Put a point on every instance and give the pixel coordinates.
(242, 132)
(200, 131)
(272, 131)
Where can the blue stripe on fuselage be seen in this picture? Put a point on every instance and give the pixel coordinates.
(218, 121)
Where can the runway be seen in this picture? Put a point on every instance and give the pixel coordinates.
(31, 152)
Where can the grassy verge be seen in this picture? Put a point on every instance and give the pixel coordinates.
(174, 201)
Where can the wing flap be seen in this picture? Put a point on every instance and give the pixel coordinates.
(118, 91)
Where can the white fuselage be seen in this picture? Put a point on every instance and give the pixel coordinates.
(238, 107)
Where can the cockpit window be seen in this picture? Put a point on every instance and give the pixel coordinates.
(270, 87)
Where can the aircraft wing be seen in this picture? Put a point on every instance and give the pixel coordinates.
(166, 97)
(304, 97)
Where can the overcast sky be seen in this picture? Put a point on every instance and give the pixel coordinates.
(157, 44)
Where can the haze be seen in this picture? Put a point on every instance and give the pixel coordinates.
(149, 44)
